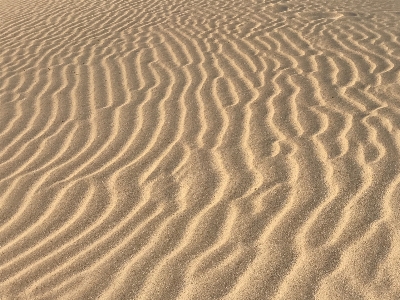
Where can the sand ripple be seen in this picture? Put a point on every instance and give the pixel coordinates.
(199, 149)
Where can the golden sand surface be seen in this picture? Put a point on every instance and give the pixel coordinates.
(198, 149)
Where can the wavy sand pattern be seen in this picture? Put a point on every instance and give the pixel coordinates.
(199, 149)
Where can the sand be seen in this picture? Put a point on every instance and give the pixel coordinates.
(196, 149)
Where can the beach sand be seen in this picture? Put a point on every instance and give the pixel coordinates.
(197, 149)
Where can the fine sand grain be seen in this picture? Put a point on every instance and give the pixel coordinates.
(198, 149)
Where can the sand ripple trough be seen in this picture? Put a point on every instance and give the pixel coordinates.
(199, 149)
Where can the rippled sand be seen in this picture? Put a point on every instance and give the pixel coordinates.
(200, 149)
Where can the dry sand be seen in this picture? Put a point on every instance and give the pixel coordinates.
(198, 149)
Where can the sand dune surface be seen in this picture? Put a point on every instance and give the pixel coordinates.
(197, 149)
